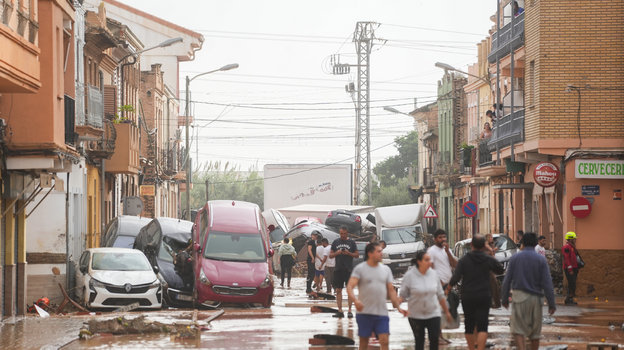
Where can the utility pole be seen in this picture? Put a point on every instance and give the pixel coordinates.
(363, 38)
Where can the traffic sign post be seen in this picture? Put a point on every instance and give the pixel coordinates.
(580, 207)
(470, 209)
(430, 213)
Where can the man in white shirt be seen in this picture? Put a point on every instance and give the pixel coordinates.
(330, 264)
(319, 264)
(539, 248)
(443, 262)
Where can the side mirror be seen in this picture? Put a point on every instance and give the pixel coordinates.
(83, 269)
(197, 248)
(156, 269)
(271, 252)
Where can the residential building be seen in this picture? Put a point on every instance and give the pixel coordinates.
(561, 91)
(451, 126)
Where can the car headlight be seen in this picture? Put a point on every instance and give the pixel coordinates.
(385, 256)
(267, 281)
(202, 278)
(93, 283)
(155, 284)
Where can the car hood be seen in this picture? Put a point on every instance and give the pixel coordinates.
(167, 271)
(229, 272)
(404, 248)
(120, 278)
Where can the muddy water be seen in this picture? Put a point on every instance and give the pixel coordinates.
(289, 324)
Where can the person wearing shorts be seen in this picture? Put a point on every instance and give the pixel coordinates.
(374, 283)
(319, 264)
(528, 278)
(344, 250)
(473, 269)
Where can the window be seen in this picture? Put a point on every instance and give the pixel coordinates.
(231, 246)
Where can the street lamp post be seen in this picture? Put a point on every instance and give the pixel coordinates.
(448, 67)
(187, 163)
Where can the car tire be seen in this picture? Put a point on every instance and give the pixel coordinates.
(267, 304)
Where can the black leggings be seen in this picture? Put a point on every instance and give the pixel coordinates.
(418, 328)
(476, 313)
(286, 271)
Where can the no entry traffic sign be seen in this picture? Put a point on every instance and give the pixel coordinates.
(470, 209)
(580, 207)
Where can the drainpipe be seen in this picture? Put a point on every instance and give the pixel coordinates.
(102, 196)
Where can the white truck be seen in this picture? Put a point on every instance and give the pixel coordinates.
(402, 227)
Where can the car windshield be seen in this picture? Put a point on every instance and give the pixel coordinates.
(114, 261)
(504, 243)
(168, 247)
(400, 235)
(234, 247)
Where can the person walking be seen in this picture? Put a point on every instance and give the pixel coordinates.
(571, 266)
(473, 269)
(541, 243)
(443, 261)
(311, 254)
(422, 290)
(344, 250)
(286, 254)
(319, 264)
(528, 278)
(330, 265)
(374, 283)
(491, 249)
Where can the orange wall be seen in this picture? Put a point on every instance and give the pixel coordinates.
(37, 120)
(604, 227)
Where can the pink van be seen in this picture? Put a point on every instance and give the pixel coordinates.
(232, 255)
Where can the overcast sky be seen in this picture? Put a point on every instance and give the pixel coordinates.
(282, 105)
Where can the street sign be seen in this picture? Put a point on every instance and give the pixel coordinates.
(430, 213)
(580, 207)
(590, 190)
(470, 209)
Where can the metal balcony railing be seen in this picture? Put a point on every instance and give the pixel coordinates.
(509, 37)
(95, 107)
(428, 181)
(484, 154)
(507, 129)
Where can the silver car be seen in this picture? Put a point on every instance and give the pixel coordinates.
(505, 248)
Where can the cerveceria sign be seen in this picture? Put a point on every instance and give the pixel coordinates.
(599, 169)
(546, 174)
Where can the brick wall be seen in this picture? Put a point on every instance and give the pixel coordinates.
(581, 44)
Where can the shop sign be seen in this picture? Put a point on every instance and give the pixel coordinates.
(546, 174)
(147, 190)
(598, 169)
(590, 190)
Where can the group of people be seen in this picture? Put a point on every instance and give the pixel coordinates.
(428, 285)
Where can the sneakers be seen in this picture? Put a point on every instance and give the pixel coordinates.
(339, 315)
(570, 302)
(349, 314)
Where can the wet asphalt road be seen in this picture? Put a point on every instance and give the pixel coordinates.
(289, 324)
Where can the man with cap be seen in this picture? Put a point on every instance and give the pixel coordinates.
(570, 266)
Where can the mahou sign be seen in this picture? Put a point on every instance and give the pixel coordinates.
(546, 174)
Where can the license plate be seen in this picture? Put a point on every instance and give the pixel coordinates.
(404, 264)
(184, 297)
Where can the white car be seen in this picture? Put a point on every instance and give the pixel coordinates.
(115, 277)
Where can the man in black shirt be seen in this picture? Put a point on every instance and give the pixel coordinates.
(344, 250)
(474, 271)
(311, 254)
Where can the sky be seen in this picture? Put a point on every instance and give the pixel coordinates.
(283, 105)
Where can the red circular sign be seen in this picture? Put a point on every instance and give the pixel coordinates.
(580, 207)
(546, 174)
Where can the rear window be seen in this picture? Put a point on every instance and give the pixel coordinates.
(111, 261)
(231, 246)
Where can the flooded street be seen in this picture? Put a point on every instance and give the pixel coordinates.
(289, 324)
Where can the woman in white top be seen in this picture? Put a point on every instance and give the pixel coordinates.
(422, 290)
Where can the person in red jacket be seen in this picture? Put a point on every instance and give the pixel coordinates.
(570, 266)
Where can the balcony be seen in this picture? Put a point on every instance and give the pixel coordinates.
(484, 155)
(125, 159)
(507, 130)
(170, 160)
(428, 181)
(104, 146)
(89, 112)
(510, 37)
(466, 160)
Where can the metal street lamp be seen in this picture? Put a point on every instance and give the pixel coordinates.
(448, 67)
(187, 163)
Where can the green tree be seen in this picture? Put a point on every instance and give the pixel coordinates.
(392, 173)
(228, 182)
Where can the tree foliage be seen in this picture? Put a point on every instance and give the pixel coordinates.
(226, 181)
(392, 173)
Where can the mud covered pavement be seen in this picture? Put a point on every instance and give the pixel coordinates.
(289, 324)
